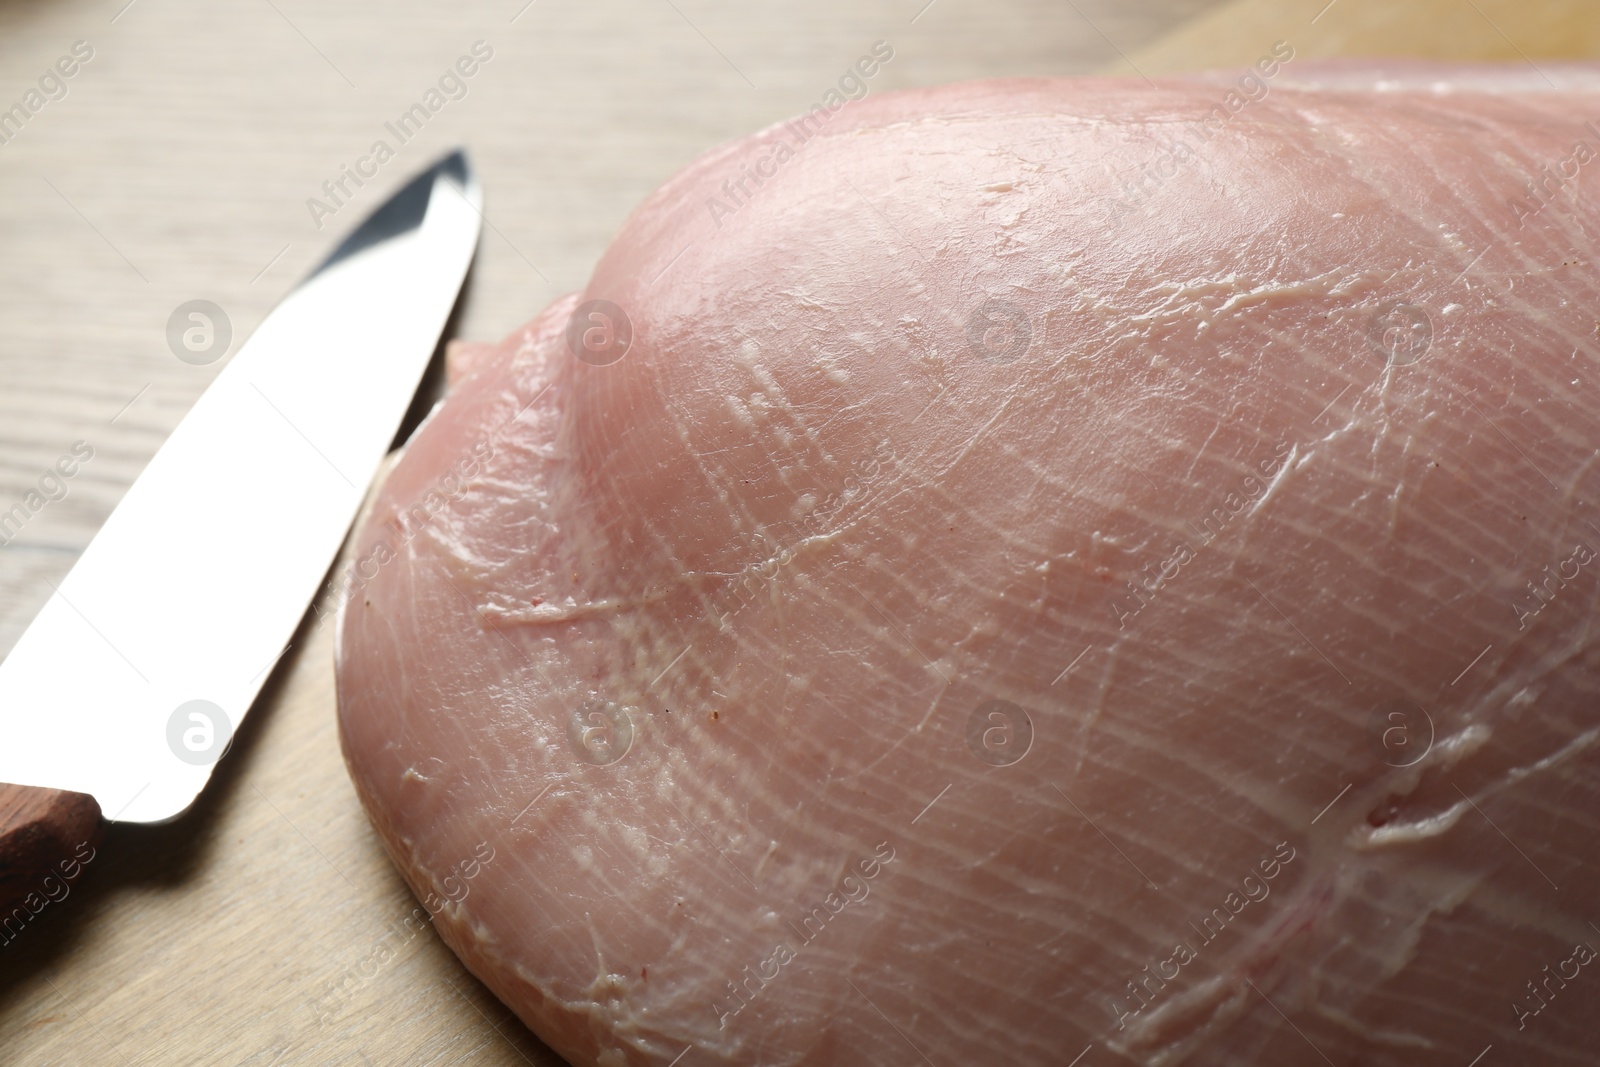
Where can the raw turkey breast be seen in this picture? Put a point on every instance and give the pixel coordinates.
(1028, 570)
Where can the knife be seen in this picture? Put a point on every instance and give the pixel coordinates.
(128, 686)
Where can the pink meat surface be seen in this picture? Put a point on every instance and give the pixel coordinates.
(1058, 566)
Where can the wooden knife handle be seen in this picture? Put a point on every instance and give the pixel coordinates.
(44, 834)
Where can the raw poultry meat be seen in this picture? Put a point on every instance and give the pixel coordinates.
(1028, 569)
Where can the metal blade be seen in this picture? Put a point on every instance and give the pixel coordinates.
(196, 582)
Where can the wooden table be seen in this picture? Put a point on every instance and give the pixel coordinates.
(266, 926)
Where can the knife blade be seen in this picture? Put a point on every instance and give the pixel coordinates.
(128, 685)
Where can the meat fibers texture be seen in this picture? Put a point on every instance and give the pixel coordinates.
(1028, 569)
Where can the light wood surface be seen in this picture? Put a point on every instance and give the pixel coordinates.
(266, 927)
(1236, 32)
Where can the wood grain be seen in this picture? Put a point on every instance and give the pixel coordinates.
(1235, 33)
